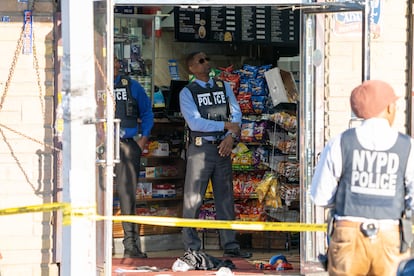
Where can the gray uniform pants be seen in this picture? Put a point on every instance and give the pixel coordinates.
(203, 163)
(126, 178)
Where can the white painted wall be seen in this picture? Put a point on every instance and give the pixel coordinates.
(26, 166)
(388, 63)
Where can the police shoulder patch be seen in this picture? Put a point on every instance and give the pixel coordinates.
(124, 82)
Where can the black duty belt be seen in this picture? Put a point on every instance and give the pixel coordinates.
(213, 142)
(126, 139)
(199, 141)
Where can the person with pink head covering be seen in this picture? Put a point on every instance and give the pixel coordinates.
(366, 176)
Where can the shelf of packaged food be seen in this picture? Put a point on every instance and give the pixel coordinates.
(152, 199)
(261, 168)
(236, 196)
(161, 178)
(171, 120)
(154, 157)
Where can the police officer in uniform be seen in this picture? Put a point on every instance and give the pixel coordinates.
(213, 117)
(366, 174)
(131, 103)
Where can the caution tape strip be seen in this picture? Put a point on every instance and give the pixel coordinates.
(70, 212)
(46, 207)
(222, 224)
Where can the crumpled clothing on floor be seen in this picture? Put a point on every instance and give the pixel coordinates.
(198, 260)
(144, 268)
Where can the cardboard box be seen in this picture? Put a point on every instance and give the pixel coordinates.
(151, 172)
(282, 86)
(144, 190)
(275, 240)
(290, 86)
(210, 239)
(163, 149)
(163, 191)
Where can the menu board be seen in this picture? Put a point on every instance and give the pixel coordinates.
(284, 26)
(223, 24)
(253, 24)
(192, 24)
(243, 24)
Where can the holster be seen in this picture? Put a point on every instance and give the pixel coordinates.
(406, 234)
(132, 108)
(323, 258)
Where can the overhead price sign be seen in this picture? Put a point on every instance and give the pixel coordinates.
(245, 24)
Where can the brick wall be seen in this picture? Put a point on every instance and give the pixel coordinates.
(26, 169)
(388, 62)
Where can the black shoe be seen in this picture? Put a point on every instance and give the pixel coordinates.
(236, 253)
(134, 253)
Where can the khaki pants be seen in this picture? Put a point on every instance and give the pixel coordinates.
(352, 253)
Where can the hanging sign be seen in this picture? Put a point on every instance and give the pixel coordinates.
(246, 24)
(254, 21)
(223, 24)
(192, 24)
(350, 23)
(28, 33)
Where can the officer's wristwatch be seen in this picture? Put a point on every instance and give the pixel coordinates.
(234, 136)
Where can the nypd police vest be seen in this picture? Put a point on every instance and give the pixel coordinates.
(212, 104)
(372, 182)
(126, 105)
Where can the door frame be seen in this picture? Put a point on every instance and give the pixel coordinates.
(311, 89)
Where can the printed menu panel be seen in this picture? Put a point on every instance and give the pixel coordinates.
(223, 24)
(253, 24)
(192, 24)
(284, 26)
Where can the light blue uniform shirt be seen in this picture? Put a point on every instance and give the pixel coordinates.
(193, 118)
(373, 134)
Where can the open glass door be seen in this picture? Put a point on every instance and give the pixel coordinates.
(103, 28)
(316, 63)
(313, 83)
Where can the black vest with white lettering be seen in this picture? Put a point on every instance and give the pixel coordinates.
(372, 182)
(212, 103)
(126, 105)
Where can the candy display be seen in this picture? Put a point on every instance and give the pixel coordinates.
(250, 87)
(263, 175)
(233, 78)
(285, 120)
(290, 170)
(289, 193)
(245, 184)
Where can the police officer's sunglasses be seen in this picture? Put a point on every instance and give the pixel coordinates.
(202, 60)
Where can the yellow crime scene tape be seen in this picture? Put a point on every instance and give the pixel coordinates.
(90, 212)
(46, 207)
(70, 212)
(67, 209)
(223, 224)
